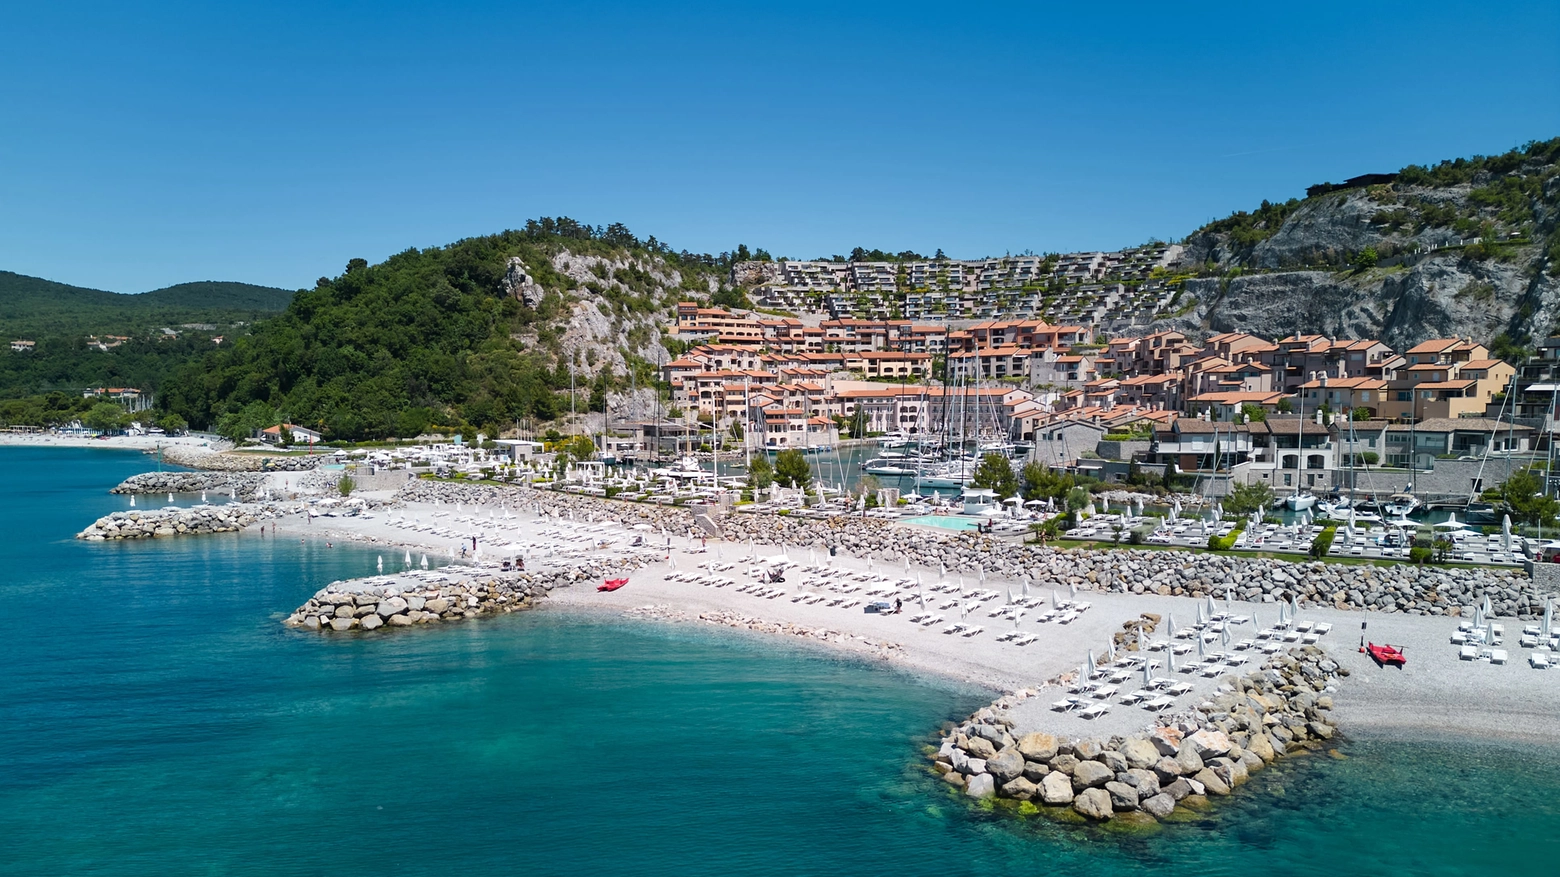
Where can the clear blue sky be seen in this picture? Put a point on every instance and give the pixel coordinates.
(148, 144)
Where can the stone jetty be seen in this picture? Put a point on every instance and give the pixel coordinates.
(403, 601)
(244, 484)
(154, 523)
(1248, 723)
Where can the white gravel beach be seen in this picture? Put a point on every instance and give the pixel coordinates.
(1436, 694)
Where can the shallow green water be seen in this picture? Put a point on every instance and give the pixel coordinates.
(158, 720)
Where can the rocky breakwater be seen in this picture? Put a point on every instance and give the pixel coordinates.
(1407, 588)
(1210, 751)
(548, 502)
(368, 604)
(212, 461)
(242, 484)
(153, 523)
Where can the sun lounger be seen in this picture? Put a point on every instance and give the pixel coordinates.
(1498, 656)
(934, 620)
(954, 628)
(1026, 639)
(1067, 618)
(1272, 648)
(1322, 628)
(1310, 638)
(1064, 706)
(1012, 634)
(1212, 670)
(1159, 703)
(1468, 653)
(977, 630)
(1246, 644)
(1106, 691)
(1095, 711)
(1180, 688)
(1539, 661)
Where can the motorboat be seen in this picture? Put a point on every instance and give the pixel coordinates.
(1299, 502)
(1401, 505)
(1385, 654)
(1482, 513)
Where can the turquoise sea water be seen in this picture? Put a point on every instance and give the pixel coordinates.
(157, 719)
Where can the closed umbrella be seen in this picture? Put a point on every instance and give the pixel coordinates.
(1093, 670)
(1170, 660)
(1025, 581)
(1200, 621)
(1142, 640)
(1212, 609)
(1010, 594)
(1072, 590)
(1110, 649)
(1225, 636)
(1549, 617)
(1148, 672)
(1170, 624)
(1202, 648)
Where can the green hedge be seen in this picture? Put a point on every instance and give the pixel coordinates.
(1323, 542)
(1215, 543)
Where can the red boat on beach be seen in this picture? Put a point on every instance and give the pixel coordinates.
(611, 584)
(1385, 654)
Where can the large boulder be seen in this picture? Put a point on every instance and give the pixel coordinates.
(1095, 804)
(1212, 782)
(1019, 789)
(1056, 788)
(1113, 760)
(974, 766)
(1091, 774)
(1088, 750)
(1188, 759)
(980, 786)
(1122, 796)
(980, 747)
(1006, 766)
(1159, 806)
(1178, 789)
(1065, 763)
(1261, 746)
(1139, 753)
(1167, 769)
(1038, 747)
(1208, 743)
(1145, 781)
(1035, 771)
(371, 621)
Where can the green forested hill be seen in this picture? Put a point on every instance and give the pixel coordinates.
(439, 336)
(34, 308)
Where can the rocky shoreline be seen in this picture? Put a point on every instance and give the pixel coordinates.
(403, 601)
(1252, 720)
(157, 523)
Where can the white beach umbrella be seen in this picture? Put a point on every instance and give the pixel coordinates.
(132, 500)
(1225, 636)
(1478, 616)
(812, 556)
(1202, 646)
(1489, 608)
(1200, 621)
(1170, 624)
(1170, 660)
(1255, 624)
(1110, 649)
(1056, 601)
(1089, 663)
(1148, 672)
(1142, 641)
(407, 560)
(1549, 617)
(1072, 590)
(170, 497)
(425, 561)
(1212, 609)
(1025, 581)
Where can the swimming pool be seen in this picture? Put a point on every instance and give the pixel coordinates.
(946, 522)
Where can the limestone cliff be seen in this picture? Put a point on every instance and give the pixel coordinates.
(1466, 248)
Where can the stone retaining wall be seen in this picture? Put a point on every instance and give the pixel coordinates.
(1253, 720)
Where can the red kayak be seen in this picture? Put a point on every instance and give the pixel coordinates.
(612, 584)
(1385, 654)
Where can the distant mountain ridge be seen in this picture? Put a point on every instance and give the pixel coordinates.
(34, 306)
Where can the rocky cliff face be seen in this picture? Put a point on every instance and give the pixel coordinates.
(1455, 251)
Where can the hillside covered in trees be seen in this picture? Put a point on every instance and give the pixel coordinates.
(33, 308)
(482, 333)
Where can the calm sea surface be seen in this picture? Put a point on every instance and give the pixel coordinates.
(157, 720)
